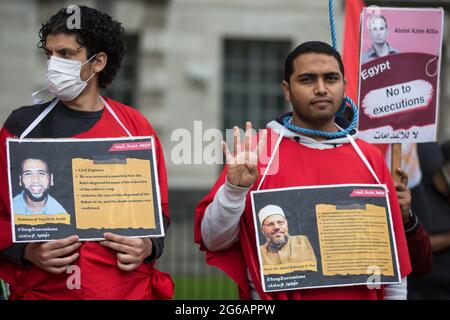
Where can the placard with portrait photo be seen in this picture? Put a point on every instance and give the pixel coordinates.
(324, 236)
(84, 187)
(400, 62)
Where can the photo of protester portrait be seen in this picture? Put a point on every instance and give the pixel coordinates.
(87, 188)
(36, 180)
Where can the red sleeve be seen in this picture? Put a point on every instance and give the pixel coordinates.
(420, 251)
(382, 147)
(201, 208)
(397, 222)
(230, 260)
(5, 217)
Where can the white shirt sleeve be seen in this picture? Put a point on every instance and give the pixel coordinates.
(220, 225)
(396, 291)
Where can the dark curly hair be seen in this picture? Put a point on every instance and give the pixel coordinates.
(98, 33)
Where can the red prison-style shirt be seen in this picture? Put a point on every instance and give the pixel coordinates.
(299, 165)
(100, 276)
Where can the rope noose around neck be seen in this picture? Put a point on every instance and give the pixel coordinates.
(287, 121)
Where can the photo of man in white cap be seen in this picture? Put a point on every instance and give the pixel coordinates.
(282, 248)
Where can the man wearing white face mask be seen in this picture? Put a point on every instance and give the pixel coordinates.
(80, 63)
(64, 80)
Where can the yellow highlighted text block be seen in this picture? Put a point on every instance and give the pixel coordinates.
(354, 241)
(113, 196)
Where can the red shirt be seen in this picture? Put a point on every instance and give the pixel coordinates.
(299, 165)
(100, 276)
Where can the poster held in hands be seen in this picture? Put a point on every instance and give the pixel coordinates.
(324, 236)
(84, 187)
(399, 74)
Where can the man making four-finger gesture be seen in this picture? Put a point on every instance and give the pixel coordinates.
(311, 149)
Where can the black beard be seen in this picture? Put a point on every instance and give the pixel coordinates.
(34, 198)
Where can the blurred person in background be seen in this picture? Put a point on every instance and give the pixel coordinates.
(435, 165)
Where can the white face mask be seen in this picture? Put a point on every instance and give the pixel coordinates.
(63, 78)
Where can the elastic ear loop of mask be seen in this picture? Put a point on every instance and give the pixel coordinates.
(54, 103)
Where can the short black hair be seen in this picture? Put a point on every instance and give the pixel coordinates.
(98, 32)
(310, 47)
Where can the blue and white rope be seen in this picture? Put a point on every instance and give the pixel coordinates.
(287, 121)
(332, 27)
